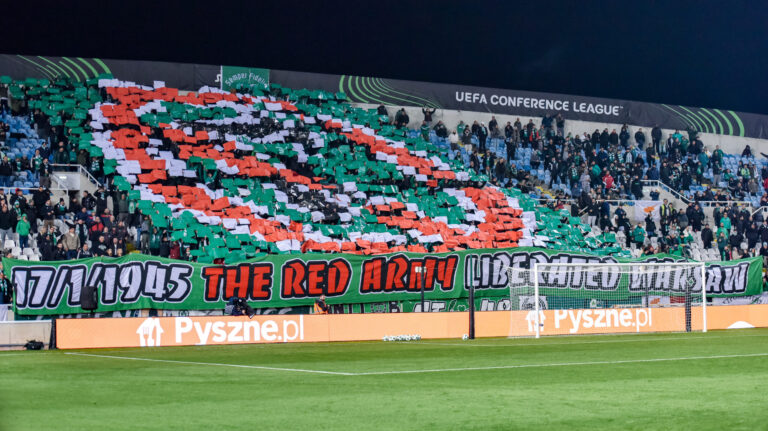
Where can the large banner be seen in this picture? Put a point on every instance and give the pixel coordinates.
(139, 281)
(362, 89)
(214, 330)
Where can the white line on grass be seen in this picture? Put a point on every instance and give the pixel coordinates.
(213, 364)
(638, 340)
(563, 364)
(437, 370)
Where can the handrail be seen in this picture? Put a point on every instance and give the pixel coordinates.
(678, 195)
(59, 183)
(33, 189)
(764, 208)
(659, 183)
(80, 169)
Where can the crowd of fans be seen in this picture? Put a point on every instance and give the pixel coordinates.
(611, 166)
(603, 165)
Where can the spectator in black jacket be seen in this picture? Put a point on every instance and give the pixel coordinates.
(59, 253)
(165, 247)
(613, 138)
(656, 137)
(88, 201)
(764, 231)
(604, 139)
(707, 236)
(7, 224)
(401, 118)
(45, 170)
(74, 206)
(640, 139)
(81, 229)
(5, 172)
(440, 130)
(47, 213)
(100, 248)
(493, 126)
(482, 135)
(101, 200)
(753, 235)
(735, 240)
(46, 242)
(84, 252)
(60, 210)
(428, 114)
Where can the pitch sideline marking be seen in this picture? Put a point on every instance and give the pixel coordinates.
(438, 370)
(215, 364)
(563, 364)
(575, 343)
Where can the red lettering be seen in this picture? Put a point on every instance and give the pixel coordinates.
(429, 267)
(414, 278)
(339, 274)
(293, 275)
(316, 278)
(237, 282)
(446, 269)
(371, 277)
(262, 281)
(212, 276)
(396, 271)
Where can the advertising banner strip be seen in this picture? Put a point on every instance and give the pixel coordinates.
(219, 330)
(362, 89)
(139, 281)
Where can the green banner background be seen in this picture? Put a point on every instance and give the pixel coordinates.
(243, 77)
(139, 281)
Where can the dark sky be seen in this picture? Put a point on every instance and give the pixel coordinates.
(698, 53)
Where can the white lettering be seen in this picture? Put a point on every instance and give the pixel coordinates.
(286, 336)
(588, 321)
(234, 336)
(202, 336)
(560, 315)
(269, 330)
(625, 318)
(575, 319)
(183, 325)
(254, 327)
(600, 321)
(218, 330)
(646, 318)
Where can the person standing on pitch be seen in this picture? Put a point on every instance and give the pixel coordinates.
(320, 306)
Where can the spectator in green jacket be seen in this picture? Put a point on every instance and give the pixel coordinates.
(154, 242)
(424, 131)
(725, 222)
(638, 235)
(22, 228)
(722, 243)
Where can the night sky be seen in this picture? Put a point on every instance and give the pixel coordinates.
(697, 53)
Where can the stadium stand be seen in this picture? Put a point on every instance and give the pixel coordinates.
(213, 176)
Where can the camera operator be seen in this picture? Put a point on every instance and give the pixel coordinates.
(320, 306)
(239, 307)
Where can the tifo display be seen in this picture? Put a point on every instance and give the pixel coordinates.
(284, 197)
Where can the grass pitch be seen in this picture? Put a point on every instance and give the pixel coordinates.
(717, 380)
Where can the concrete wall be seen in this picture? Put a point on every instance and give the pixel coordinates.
(16, 334)
(729, 144)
